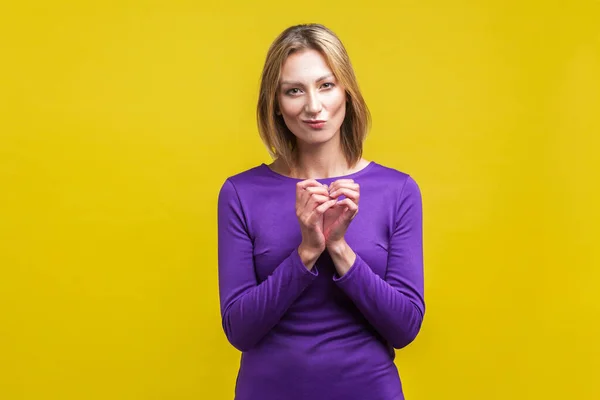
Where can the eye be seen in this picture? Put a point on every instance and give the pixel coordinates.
(293, 91)
(328, 85)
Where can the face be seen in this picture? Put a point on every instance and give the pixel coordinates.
(311, 101)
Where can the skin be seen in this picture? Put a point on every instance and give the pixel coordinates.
(308, 92)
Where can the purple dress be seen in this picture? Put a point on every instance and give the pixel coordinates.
(311, 334)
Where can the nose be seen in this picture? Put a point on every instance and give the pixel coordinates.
(313, 105)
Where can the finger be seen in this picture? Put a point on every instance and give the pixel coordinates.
(307, 183)
(332, 184)
(316, 200)
(302, 196)
(317, 213)
(351, 207)
(309, 192)
(347, 203)
(320, 210)
(348, 193)
(338, 191)
(348, 185)
(318, 190)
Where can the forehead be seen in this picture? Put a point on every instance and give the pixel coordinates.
(305, 65)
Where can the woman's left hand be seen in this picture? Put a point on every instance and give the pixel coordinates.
(337, 219)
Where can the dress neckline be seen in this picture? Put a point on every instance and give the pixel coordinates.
(352, 175)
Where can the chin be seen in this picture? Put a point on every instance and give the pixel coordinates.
(314, 140)
(316, 137)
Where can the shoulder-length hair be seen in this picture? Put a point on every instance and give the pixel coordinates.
(280, 142)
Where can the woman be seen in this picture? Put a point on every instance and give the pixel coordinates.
(314, 293)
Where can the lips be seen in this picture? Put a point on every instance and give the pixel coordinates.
(315, 123)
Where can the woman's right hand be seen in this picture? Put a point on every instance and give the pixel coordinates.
(312, 200)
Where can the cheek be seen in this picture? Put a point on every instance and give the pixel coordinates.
(289, 107)
(337, 103)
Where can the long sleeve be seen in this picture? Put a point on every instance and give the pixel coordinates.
(250, 310)
(394, 305)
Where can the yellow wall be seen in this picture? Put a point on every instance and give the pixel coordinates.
(119, 121)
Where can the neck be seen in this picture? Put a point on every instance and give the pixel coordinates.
(325, 160)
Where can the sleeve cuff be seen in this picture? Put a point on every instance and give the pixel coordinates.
(357, 265)
(297, 261)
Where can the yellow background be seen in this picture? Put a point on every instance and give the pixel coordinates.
(119, 121)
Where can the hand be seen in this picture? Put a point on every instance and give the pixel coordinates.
(338, 217)
(312, 200)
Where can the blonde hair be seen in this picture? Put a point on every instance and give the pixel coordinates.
(280, 142)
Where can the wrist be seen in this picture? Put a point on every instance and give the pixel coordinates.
(308, 256)
(342, 255)
(337, 248)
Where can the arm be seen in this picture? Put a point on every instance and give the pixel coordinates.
(250, 310)
(395, 305)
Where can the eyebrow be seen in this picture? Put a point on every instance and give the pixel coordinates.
(300, 83)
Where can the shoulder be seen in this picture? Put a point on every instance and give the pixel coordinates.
(247, 185)
(248, 175)
(245, 178)
(401, 181)
(404, 195)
